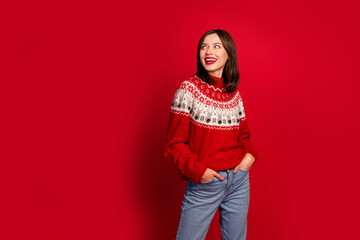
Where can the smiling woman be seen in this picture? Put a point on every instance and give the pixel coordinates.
(208, 140)
(217, 57)
(212, 52)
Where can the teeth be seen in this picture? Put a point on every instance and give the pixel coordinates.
(210, 60)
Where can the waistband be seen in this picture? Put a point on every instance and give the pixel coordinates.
(228, 170)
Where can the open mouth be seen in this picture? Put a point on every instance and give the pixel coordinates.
(210, 60)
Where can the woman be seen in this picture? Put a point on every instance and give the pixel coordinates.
(208, 140)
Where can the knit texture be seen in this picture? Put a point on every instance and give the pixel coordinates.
(207, 129)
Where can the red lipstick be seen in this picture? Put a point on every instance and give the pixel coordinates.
(210, 60)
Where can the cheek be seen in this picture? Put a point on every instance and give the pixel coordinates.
(224, 56)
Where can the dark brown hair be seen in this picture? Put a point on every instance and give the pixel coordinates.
(230, 73)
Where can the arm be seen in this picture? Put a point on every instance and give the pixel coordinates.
(177, 150)
(244, 137)
(244, 134)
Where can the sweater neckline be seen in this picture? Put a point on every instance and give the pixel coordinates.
(219, 82)
(219, 85)
(216, 78)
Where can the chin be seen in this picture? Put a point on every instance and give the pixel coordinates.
(211, 69)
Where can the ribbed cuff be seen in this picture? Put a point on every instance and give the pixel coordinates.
(252, 150)
(198, 172)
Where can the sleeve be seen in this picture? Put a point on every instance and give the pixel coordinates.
(177, 149)
(244, 133)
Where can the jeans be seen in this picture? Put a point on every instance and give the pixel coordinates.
(201, 201)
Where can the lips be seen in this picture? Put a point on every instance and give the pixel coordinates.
(210, 60)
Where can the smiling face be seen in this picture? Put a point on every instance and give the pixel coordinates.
(213, 55)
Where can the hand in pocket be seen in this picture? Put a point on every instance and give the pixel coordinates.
(209, 175)
(246, 163)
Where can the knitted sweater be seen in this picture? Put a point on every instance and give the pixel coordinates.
(207, 129)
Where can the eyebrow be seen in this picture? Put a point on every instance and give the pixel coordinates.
(213, 43)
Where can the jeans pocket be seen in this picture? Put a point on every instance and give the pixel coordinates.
(212, 180)
(245, 171)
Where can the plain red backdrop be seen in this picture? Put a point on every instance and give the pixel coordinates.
(87, 88)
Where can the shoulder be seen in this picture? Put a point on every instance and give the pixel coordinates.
(237, 97)
(187, 86)
(239, 94)
(189, 83)
(241, 106)
(184, 96)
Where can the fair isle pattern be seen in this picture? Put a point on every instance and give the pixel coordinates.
(214, 127)
(208, 89)
(180, 113)
(205, 96)
(209, 86)
(203, 107)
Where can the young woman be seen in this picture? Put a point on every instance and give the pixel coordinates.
(208, 140)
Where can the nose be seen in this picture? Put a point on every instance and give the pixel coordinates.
(208, 51)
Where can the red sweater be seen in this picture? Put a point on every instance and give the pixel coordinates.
(207, 129)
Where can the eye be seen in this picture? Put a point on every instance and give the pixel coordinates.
(203, 46)
(217, 46)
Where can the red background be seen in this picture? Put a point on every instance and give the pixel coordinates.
(87, 88)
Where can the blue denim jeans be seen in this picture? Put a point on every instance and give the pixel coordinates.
(201, 201)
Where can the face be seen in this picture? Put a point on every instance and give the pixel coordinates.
(213, 55)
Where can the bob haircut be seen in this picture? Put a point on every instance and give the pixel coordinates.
(230, 73)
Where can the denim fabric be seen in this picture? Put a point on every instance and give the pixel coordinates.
(231, 196)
